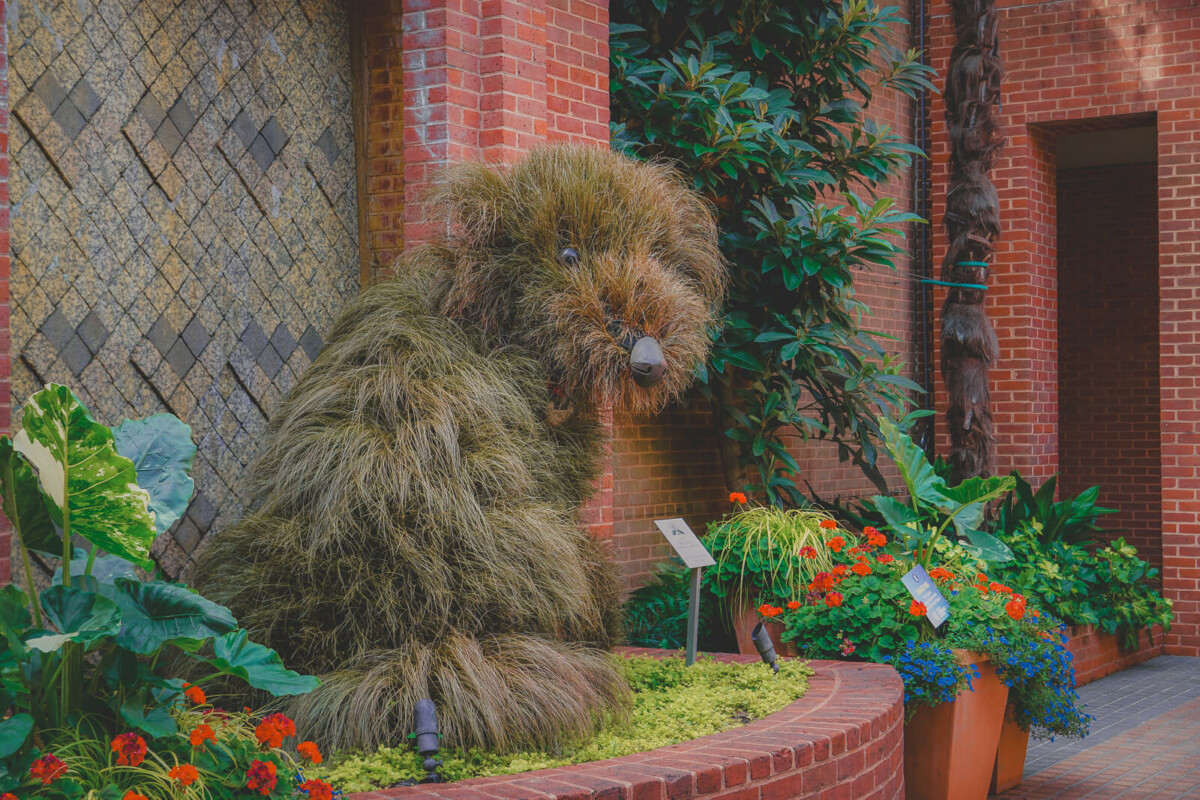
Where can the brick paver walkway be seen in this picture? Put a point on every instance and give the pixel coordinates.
(1145, 741)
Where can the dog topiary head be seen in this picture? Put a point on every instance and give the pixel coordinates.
(604, 268)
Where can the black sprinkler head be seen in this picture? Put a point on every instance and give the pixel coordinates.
(764, 646)
(647, 362)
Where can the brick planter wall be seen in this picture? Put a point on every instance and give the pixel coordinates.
(843, 739)
(1098, 653)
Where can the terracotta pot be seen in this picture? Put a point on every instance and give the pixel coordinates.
(745, 617)
(949, 750)
(1010, 755)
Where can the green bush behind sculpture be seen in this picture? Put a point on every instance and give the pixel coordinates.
(413, 528)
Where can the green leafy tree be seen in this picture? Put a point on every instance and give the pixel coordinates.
(765, 105)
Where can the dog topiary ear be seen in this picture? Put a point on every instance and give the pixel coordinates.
(472, 197)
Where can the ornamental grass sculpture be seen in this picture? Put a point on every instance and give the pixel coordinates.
(413, 529)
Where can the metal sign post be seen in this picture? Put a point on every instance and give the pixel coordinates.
(695, 557)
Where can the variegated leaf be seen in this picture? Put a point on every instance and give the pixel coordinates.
(83, 478)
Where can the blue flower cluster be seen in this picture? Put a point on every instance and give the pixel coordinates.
(931, 674)
(1041, 680)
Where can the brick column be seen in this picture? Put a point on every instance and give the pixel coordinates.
(1179, 364)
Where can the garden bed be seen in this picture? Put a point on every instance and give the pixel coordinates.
(1098, 653)
(847, 731)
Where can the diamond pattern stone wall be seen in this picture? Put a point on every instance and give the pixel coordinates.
(184, 215)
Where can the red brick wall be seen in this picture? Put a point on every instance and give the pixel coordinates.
(844, 740)
(5, 363)
(1081, 60)
(382, 38)
(1108, 345)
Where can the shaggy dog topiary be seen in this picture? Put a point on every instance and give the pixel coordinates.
(413, 529)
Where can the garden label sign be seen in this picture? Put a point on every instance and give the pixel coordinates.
(923, 590)
(696, 557)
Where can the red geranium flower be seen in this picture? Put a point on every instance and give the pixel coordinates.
(874, 537)
(836, 544)
(195, 694)
(186, 774)
(260, 777)
(794, 604)
(917, 609)
(769, 610)
(808, 551)
(130, 749)
(274, 729)
(981, 578)
(862, 569)
(1015, 608)
(130, 795)
(884, 558)
(833, 599)
(200, 734)
(828, 524)
(821, 582)
(309, 751)
(317, 790)
(847, 647)
(840, 570)
(941, 574)
(48, 769)
(11, 796)
(999, 587)
(737, 497)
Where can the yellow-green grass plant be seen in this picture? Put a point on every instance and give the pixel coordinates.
(759, 552)
(672, 703)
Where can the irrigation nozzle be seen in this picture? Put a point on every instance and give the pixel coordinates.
(764, 646)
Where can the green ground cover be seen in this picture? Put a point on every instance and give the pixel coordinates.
(671, 703)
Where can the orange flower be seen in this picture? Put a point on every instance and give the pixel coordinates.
(317, 790)
(309, 750)
(862, 569)
(981, 588)
(917, 609)
(130, 749)
(999, 587)
(195, 694)
(130, 795)
(261, 777)
(808, 552)
(828, 524)
(200, 734)
(833, 599)
(186, 774)
(941, 574)
(884, 558)
(793, 604)
(981, 578)
(874, 537)
(836, 543)
(1015, 609)
(48, 769)
(769, 610)
(11, 796)
(737, 497)
(840, 570)
(822, 581)
(274, 729)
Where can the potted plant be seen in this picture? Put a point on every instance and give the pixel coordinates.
(765, 557)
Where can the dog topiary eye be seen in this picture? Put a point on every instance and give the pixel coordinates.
(569, 257)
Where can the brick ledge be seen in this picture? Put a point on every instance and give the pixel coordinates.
(843, 739)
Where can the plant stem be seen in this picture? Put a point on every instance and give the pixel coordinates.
(34, 599)
(91, 560)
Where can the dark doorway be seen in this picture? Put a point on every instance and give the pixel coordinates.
(1108, 310)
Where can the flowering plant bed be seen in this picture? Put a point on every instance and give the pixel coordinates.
(672, 703)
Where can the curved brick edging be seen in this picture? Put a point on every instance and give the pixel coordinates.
(844, 740)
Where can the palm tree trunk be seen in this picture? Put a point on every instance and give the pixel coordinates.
(972, 223)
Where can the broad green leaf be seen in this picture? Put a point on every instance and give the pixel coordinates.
(83, 478)
(916, 471)
(161, 450)
(23, 504)
(988, 547)
(157, 722)
(968, 501)
(14, 732)
(14, 617)
(899, 517)
(79, 615)
(105, 569)
(259, 666)
(156, 612)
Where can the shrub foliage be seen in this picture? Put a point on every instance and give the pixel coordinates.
(765, 105)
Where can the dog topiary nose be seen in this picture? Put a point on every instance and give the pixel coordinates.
(647, 362)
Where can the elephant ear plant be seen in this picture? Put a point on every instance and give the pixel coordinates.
(85, 653)
(934, 508)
